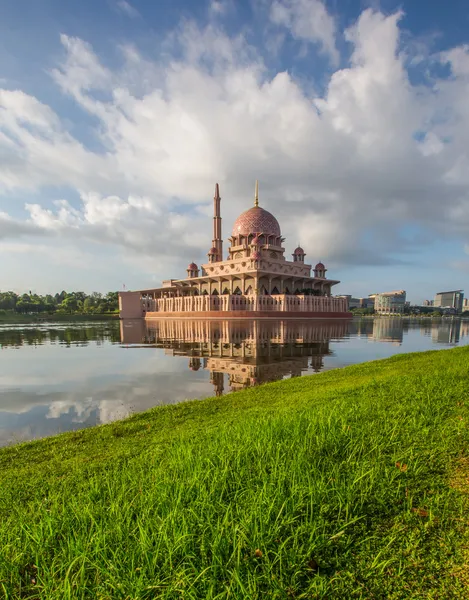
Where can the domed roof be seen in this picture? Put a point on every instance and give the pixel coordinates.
(213, 251)
(192, 267)
(319, 266)
(256, 220)
(256, 255)
(299, 250)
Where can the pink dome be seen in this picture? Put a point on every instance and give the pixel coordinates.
(192, 267)
(319, 267)
(213, 251)
(299, 250)
(256, 255)
(256, 220)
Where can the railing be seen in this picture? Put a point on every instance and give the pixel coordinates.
(228, 303)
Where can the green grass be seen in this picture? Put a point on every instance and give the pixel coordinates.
(289, 490)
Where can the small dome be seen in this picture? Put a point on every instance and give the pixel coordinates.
(299, 250)
(319, 267)
(256, 220)
(256, 240)
(213, 251)
(256, 255)
(192, 267)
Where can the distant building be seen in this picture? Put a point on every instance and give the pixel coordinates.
(465, 304)
(428, 302)
(453, 299)
(389, 303)
(358, 302)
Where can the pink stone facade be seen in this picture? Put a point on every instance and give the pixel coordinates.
(255, 280)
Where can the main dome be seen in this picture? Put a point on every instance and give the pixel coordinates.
(256, 220)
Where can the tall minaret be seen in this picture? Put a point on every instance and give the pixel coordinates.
(217, 241)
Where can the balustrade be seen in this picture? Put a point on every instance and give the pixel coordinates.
(228, 303)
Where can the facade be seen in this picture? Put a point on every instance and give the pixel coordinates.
(359, 302)
(453, 299)
(255, 279)
(389, 303)
(465, 304)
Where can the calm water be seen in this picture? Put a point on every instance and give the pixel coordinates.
(57, 377)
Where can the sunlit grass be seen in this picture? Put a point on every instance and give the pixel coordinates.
(331, 486)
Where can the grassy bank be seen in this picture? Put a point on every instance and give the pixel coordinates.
(11, 318)
(347, 484)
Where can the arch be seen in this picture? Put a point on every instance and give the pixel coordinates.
(237, 291)
(275, 290)
(287, 291)
(249, 289)
(264, 291)
(215, 292)
(226, 291)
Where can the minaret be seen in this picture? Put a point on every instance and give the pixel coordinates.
(217, 241)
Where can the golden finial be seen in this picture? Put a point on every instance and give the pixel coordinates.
(256, 197)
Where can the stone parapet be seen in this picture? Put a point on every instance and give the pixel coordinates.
(245, 314)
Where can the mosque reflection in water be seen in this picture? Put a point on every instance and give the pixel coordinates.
(247, 352)
(241, 354)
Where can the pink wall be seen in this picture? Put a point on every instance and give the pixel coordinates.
(130, 305)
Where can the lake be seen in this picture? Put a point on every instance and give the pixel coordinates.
(55, 377)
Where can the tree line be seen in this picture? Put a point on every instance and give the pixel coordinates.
(60, 303)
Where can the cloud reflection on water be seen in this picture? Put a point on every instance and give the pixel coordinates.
(56, 378)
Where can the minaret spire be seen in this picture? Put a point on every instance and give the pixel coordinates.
(256, 195)
(217, 241)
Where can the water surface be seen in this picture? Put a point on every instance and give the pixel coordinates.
(55, 377)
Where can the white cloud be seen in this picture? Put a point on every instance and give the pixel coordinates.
(127, 9)
(220, 8)
(334, 169)
(307, 20)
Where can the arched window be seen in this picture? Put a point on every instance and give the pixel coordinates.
(237, 292)
(275, 290)
(287, 291)
(249, 290)
(215, 292)
(226, 291)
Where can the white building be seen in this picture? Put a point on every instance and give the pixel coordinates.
(389, 303)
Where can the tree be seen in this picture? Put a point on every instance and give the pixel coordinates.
(70, 304)
(88, 304)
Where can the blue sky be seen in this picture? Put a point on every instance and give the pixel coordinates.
(117, 118)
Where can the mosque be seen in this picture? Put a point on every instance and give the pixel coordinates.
(255, 280)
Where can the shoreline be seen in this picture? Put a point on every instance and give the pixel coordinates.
(16, 319)
(294, 485)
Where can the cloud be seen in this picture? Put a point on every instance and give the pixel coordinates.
(309, 21)
(343, 171)
(220, 8)
(127, 9)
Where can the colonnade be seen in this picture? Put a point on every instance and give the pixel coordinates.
(229, 302)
